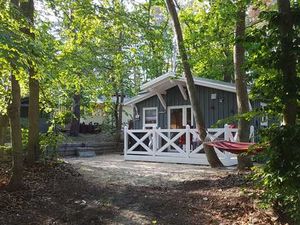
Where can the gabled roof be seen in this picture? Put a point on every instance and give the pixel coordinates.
(169, 80)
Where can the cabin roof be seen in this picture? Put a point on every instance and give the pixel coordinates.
(166, 81)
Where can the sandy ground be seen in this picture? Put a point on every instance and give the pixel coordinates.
(106, 190)
(164, 193)
(112, 169)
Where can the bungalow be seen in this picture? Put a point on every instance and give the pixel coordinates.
(163, 128)
(164, 102)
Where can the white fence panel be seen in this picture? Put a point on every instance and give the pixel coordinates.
(176, 145)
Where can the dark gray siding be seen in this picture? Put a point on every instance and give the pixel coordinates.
(151, 102)
(213, 109)
(222, 107)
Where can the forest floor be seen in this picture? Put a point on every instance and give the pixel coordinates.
(107, 190)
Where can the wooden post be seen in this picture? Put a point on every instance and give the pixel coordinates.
(188, 140)
(154, 141)
(227, 132)
(251, 133)
(125, 140)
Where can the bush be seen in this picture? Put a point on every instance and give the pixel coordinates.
(5, 153)
(49, 144)
(280, 176)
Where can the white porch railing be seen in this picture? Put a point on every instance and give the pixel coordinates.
(176, 145)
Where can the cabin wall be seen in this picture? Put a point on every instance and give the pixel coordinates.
(213, 109)
(223, 106)
(150, 102)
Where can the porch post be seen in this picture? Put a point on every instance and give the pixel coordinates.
(226, 132)
(188, 140)
(125, 140)
(251, 133)
(154, 140)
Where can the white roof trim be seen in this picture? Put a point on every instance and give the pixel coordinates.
(164, 80)
(158, 80)
(212, 85)
(139, 98)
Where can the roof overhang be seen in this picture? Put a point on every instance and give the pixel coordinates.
(162, 83)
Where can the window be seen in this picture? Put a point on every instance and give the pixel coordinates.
(180, 116)
(150, 117)
(264, 119)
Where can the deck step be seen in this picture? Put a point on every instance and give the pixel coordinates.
(72, 149)
(82, 153)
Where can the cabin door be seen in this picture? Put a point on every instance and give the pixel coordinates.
(180, 116)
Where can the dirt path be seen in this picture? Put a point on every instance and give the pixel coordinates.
(113, 170)
(106, 190)
(160, 193)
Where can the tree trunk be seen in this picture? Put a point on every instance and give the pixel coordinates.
(120, 118)
(15, 182)
(211, 155)
(16, 136)
(288, 62)
(116, 115)
(244, 161)
(33, 118)
(27, 9)
(3, 126)
(75, 123)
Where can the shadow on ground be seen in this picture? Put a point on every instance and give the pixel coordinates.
(59, 194)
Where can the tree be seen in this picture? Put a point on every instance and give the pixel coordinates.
(27, 9)
(287, 62)
(273, 42)
(244, 161)
(208, 29)
(15, 181)
(274, 53)
(75, 122)
(210, 153)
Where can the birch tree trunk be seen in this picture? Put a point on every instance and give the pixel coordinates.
(27, 9)
(244, 161)
(288, 62)
(211, 155)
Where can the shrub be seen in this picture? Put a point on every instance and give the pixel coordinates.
(280, 176)
(49, 143)
(5, 153)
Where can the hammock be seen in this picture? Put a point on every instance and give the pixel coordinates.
(235, 147)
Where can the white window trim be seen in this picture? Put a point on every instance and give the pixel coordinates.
(144, 118)
(264, 119)
(184, 111)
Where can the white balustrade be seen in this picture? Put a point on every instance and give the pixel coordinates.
(176, 145)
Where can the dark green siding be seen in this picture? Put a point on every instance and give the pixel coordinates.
(151, 102)
(213, 110)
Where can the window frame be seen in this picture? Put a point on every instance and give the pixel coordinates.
(184, 114)
(150, 125)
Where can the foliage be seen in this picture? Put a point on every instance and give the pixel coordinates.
(5, 153)
(49, 143)
(264, 58)
(101, 49)
(25, 138)
(280, 176)
(208, 30)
